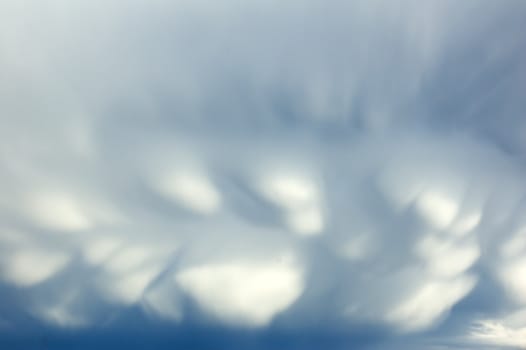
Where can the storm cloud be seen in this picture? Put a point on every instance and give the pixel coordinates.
(252, 172)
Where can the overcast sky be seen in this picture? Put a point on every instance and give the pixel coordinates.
(314, 174)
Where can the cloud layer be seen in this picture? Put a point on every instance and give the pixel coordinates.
(349, 167)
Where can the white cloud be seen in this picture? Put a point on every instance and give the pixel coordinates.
(299, 197)
(58, 211)
(508, 331)
(193, 190)
(29, 266)
(511, 275)
(429, 302)
(466, 223)
(446, 257)
(438, 208)
(244, 294)
(515, 245)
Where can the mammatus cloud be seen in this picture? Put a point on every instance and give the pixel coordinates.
(244, 294)
(348, 167)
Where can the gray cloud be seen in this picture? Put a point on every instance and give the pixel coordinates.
(265, 165)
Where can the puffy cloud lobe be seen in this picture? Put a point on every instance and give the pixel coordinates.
(242, 294)
(27, 267)
(429, 302)
(191, 190)
(299, 197)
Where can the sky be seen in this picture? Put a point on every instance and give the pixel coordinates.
(314, 174)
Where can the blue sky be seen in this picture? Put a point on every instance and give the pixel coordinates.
(263, 174)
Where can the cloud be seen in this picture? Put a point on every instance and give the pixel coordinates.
(243, 294)
(337, 166)
(298, 196)
(508, 331)
(429, 303)
(27, 267)
(193, 191)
